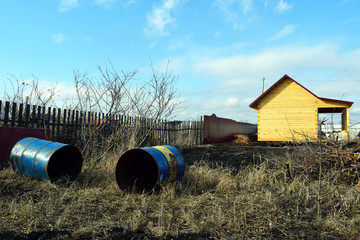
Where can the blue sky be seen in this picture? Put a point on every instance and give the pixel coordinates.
(220, 49)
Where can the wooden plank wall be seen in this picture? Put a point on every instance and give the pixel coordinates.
(286, 113)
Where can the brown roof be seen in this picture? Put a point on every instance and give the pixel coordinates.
(252, 105)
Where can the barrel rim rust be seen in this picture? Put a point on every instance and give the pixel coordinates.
(47, 160)
(143, 169)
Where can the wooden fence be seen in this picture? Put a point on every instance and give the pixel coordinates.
(65, 125)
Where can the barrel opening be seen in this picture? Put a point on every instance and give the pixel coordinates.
(65, 164)
(137, 170)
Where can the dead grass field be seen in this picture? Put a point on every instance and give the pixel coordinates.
(228, 192)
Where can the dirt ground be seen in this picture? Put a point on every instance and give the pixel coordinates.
(232, 155)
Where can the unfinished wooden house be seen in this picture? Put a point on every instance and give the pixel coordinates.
(288, 111)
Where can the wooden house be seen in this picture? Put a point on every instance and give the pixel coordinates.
(288, 111)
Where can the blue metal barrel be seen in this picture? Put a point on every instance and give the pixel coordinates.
(46, 160)
(141, 169)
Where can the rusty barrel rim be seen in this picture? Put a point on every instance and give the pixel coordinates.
(142, 169)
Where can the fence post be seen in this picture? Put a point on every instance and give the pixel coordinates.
(76, 125)
(201, 130)
(0, 109)
(72, 126)
(95, 119)
(27, 115)
(48, 118)
(33, 116)
(13, 114)
(63, 126)
(6, 117)
(53, 124)
(38, 124)
(21, 109)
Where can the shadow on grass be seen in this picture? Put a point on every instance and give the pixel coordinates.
(112, 233)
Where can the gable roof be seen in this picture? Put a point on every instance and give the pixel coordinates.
(253, 104)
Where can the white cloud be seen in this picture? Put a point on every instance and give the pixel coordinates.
(232, 101)
(110, 4)
(58, 37)
(227, 106)
(286, 30)
(67, 4)
(345, 1)
(246, 4)
(180, 42)
(321, 63)
(66, 93)
(107, 4)
(128, 3)
(236, 11)
(175, 43)
(160, 17)
(281, 60)
(283, 6)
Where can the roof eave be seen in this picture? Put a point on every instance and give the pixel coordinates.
(254, 103)
(337, 101)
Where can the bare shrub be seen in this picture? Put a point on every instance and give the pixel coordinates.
(339, 161)
(116, 92)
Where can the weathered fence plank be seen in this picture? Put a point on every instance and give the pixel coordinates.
(63, 126)
(21, 109)
(6, 117)
(38, 123)
(0, 108)
(33, 116)
(13, 115)
(27, 115)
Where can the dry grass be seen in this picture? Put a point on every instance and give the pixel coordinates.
(255, 202)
